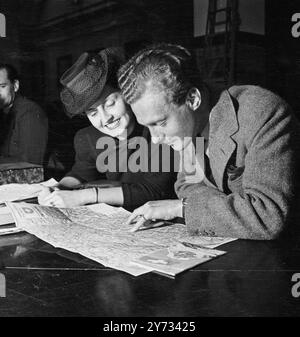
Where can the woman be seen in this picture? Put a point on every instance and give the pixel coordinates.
(90, 87)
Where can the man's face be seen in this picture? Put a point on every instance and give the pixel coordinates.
(7, 90)
(111, 115)
(168, 123)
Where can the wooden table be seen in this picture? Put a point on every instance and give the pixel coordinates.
(253, 279)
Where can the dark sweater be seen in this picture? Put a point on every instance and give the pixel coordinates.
(138, 187)
(24, 131)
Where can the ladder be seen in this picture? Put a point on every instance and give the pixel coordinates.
(219, 54)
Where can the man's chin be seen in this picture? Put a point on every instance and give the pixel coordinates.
(177, 146)
(181, 145)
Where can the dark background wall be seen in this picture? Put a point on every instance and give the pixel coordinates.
(48, 36)
(44, 38)
(283, 51)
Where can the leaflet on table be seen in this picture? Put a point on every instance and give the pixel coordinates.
(14, 192)
(7, 222)
(98, 232)
(176, 258)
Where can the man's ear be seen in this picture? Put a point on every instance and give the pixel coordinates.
(193, 99)
(16, 85)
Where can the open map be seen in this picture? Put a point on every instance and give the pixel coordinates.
(99, 233)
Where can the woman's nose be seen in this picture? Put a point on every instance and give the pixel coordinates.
(105, 117)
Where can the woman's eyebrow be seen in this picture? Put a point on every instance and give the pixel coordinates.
(91, 110)
(100, 102)
(110, 96)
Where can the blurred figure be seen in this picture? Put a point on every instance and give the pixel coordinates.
(24, 125)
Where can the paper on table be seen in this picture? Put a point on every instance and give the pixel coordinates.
(17, 192)
(207, 241)
(177, 258)
(14, 192)
(76, 229)
(5, 215)
(9, 230)
(7, 225)
(97, 232)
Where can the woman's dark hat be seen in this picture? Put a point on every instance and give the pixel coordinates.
(85, 80)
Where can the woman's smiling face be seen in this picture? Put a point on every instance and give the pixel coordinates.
(111, 115)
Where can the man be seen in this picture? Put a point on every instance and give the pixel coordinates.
(251, 140)
(24, 125)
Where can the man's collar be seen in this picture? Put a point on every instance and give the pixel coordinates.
(10, 108)
(201, 115)
(6, 110)
(205, 132)
(224, 114)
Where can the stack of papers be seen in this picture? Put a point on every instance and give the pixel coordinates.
(17, 192)
(7, 223)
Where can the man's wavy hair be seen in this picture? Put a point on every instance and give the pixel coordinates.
(167, 67)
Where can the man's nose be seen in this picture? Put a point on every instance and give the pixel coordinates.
(156, 137)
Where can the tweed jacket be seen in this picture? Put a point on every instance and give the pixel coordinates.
(253, 155)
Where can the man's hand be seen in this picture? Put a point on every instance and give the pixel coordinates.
(155, 210)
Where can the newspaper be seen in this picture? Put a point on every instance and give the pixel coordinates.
(98, 232)
(15, 192)
(177, 258)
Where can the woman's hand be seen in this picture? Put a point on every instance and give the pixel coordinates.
(59, 198)
(155, 210)
(46, 191)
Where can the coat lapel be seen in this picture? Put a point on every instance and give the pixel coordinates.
(223, 124)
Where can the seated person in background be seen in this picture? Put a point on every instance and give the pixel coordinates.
(247, 185)
(24, 125)
(91, 87)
